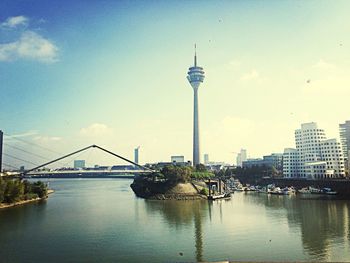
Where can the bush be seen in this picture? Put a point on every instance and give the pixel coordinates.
(30, 196)
(202, 175)
(177, 174)
(204, 191)
(40, 189)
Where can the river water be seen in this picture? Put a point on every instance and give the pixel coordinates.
(100, 220)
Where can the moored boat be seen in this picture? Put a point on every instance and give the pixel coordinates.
(219, 196)
(328, 191)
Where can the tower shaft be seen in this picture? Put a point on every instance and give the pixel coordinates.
(196, 149)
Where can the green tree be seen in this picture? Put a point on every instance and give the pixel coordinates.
(14, 191)
(201, 168)
(39, 188)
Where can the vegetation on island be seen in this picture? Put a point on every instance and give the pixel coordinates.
(182, 174)
(162, 182)
(15, 190)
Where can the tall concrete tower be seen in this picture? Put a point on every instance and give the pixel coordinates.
(1, 141)
(195, 76)
(136, 154)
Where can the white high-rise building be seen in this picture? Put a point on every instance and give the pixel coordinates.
(195, 76)
(290, 163)
(206, 158)
(315, 157)
(241, 157)
(344, 130)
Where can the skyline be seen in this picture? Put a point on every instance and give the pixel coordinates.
(113, 74)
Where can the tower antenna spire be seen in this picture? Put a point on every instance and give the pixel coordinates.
(195, 55)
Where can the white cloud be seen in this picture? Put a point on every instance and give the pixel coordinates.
(15, 21)
(46, 139)
(321, 64)
(30, 46)
(252, 75)
(96, 129)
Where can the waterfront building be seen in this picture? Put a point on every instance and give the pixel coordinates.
(136, 154)
(79, 164)
(177, 159)
(315, 157)
(272, 160)
(206, 158)
(290, 163)
(195, 76)
(251, 162)
(344, 130)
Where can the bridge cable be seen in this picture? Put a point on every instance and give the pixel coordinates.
(9, 165)
(19, 149)
(31, 143)
(58, 159)
(11, 156)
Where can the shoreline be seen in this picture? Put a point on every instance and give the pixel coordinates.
(23, 202)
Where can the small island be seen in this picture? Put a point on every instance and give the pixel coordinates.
(15, 192)
(173, 183)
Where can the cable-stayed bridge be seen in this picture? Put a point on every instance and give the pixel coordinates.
(40, 170)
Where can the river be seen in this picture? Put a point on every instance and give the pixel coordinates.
(101, 220)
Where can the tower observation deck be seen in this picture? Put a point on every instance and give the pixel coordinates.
(195, 76)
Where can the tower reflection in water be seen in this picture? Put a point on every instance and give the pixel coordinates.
(184, 213)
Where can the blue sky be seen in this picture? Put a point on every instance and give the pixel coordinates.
(74, 73)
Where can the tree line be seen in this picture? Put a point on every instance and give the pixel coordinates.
(15, 190)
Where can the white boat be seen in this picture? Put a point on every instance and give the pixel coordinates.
(314, 190)
(277, 191)
(304, 190)
(219, 196)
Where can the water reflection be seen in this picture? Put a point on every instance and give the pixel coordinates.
(322, 222)
(183, 213)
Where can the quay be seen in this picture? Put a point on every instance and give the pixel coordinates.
(342, 186)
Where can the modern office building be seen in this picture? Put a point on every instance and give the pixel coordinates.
(344, 130)
(136, 154)
(79, 164)
(195, 76)
(206, 158)
(177, 159)
(315, 157)
(272, 160)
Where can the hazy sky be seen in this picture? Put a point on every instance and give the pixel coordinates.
(74, 73)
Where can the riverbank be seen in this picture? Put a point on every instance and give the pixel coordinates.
(5, 205)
